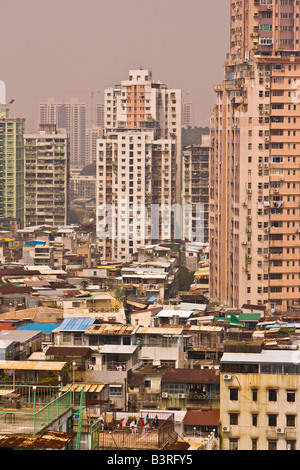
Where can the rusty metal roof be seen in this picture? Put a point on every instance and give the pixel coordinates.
(205, 376)
(32, 365)
(87, 388)
(47, 440)
(69, 351)
(202, 417)
(110, 329)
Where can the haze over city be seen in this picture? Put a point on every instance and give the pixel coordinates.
(65, 49)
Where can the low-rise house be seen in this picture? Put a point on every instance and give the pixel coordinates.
(161, 346)
(25, 342)
(201, 423)
(71, 332)
(47, 329)
(172, 317)
(204, 345)
(112, 334)
(188, 388)
(102, 305)
(144, 388)
(35, 372)
(77, 356)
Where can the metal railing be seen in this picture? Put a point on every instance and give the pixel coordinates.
(32, 408)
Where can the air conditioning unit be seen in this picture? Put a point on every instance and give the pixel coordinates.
(165, 395)
(227, 377)
(181, 395)
(280, 430)
(226, 429)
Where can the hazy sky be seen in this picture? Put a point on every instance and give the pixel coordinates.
(66, 48)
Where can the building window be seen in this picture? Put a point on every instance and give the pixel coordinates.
(272, 420)
(233, 444)
(254, 444)
(115, 391)
(234, 419)
(272, 445)
(272, 394)
(234, 394)
(291, 421)
(290, 445)
(290, 395)
(254, 420)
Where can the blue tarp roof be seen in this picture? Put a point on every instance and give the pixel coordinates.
(43, 327)
(76, 324)
(152, 299)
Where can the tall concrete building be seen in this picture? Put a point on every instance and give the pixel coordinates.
(46, 176)
(139, 165)
(254, 161)
(11, 166)
(92, 134)
(188, 114)
(71, 117)
(100, 114)
(195, 192)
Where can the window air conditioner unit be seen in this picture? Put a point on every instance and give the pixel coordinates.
(181, 395)
(280, 430)
(226, 429)
(165, 395)
(227, 377)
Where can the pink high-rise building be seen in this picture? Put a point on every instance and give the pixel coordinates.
(255, 160)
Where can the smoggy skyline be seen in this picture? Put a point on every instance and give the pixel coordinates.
(67, 48)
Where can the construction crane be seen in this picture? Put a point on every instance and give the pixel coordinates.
(92, 97)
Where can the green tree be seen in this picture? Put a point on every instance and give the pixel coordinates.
(185, 279)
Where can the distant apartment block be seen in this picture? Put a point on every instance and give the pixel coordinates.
(140, 103)
(11, 167)
(188, 114)
(70, 116)
(254, 162)
(100, 114)
(46, 177)
(138, 165)
(195, 192)
(81, 186)
(91, 136)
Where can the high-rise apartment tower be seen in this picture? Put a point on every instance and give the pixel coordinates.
(46, 176)
(70, 116)
(139, 164)
(255, 159)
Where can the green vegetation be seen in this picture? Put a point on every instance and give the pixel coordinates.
(89, 170)
(193, 135)
(185, 279)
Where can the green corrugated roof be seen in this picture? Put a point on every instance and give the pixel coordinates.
(249, 316)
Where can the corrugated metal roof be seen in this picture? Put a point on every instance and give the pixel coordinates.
(191, 376)
(172, 330)
(117, 349)
(49, 440)
(43, 327)
(266, 356)
(16, 335)
(110, 329)
(69, 351)
(171, 313)
(87, 388)
(32, 365)
(76, 324)
(202, 418)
